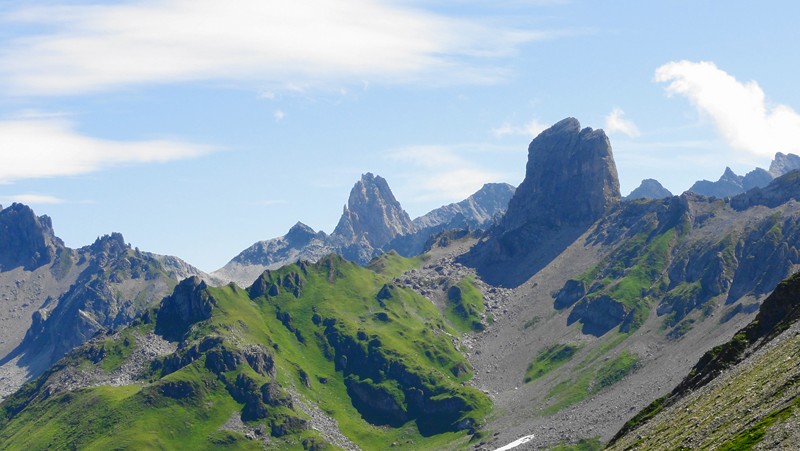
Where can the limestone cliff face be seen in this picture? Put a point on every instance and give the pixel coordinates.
(570, 182)
(570, 178)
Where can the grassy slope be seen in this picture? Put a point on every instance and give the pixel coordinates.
(550, 359)
(411, 333)
(591, 377)
(755, 394)
(392, 264)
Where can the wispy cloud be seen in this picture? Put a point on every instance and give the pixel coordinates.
(615, 123)
(531, 129)
(742, 115)
(39, 148)
(86, 48)
(278, 115)
(32, 199)
(441, 172)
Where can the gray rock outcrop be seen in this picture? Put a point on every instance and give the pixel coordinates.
(570, 181)
(26, 240)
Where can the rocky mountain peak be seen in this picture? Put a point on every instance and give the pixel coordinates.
(372, 213)
(300, 234)
(730, 176)
(570, 182)
(570, 178)
(783, 163)
(110, 245)
(26, 240)
(649, 189)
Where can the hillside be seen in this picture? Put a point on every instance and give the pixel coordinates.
(53, 298)
(740, 395)
(308, 355)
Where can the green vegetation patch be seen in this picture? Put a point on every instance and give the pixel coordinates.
(615, 370)
(632, 276)
(391, 264)
(116, 351)
(550, 359)
(464, 306)
(591, 380)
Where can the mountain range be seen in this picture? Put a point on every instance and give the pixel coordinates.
(372, 222)
(563, 313)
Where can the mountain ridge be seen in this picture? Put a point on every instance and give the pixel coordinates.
(372, 222)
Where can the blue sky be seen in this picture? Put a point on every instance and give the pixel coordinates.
(198, 127)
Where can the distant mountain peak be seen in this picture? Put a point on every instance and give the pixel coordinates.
(730, 175)
(372, 214)
(783, 163)
(649, 189)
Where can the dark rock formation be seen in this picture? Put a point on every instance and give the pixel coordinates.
(26, 240)
(570, 179)
(598, 315)
(115, 285)
(573, 291)
(780, 191)
(188, 304)
(570, 182)
(649, 189)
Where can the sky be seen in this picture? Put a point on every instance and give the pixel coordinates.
(198, 127)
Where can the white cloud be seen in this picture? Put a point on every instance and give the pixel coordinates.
(530, 129)
(740, 111)
(32, 199)
(440, 173)
(86, 48)
(38, 148)
(615, 123)
(279, 115)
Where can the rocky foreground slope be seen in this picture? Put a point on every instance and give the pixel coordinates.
(740, 395)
